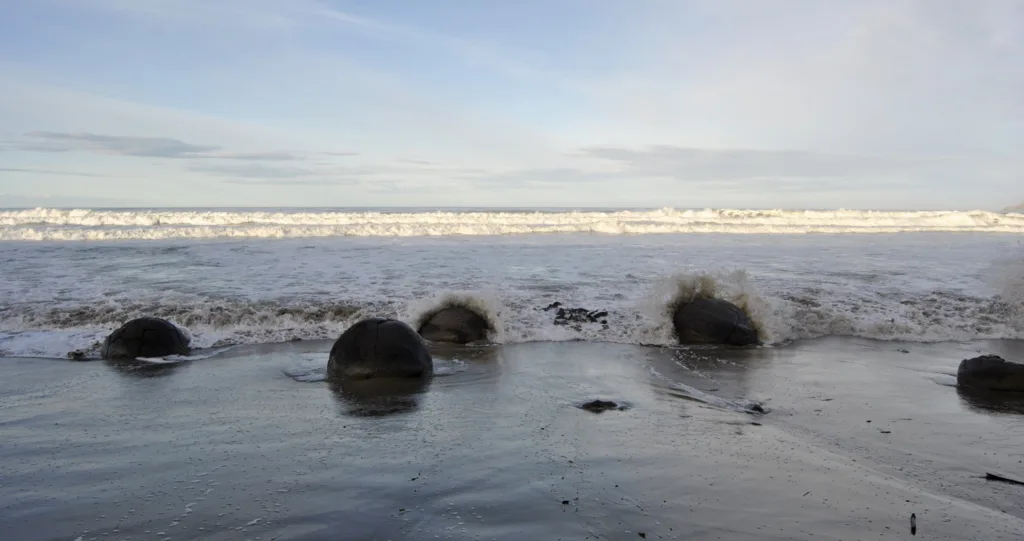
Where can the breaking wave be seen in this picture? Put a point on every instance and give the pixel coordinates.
(104, 225)
(52, 331)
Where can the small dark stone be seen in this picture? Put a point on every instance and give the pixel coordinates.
(760, 409)
(642, 534)
(145, 337)
(77, 355)
(565, 502)
(600, 406)
(552, 306)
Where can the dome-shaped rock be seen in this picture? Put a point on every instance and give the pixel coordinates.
(455, 324)
(145, 337)
(379, 347)
(713, 321)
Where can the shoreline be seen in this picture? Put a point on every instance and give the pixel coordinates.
(251, 440)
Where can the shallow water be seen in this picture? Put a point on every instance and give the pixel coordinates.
(234, 446)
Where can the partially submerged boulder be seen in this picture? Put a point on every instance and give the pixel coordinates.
(379, 348)
(992, 373)
(145, 337)
(455, 324)
(713, 321)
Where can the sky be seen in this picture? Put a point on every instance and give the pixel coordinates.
(885, 104)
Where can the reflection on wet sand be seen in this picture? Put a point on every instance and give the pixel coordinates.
(991, 401)
(379, 397)
(714, 375)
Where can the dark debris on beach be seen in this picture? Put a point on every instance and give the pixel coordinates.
(565, 316)
(601, 406)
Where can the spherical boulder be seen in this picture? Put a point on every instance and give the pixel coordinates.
(992, 373)
(713, 321)
(145, 337)
(455, 324)
(379, 348)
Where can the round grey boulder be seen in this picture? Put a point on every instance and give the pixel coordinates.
(713, 321)
(379, 348)
(455, 324)
(992, 373)
(145, 337)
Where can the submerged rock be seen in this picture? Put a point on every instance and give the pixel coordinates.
(145, 337)
(455, 324)
(379, 348)
(713, 321)
(992, 373)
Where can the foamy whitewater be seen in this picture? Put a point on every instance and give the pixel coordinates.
(69, 277)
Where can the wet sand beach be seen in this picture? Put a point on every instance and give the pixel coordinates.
(252, 444)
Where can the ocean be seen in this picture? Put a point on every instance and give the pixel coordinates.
(847, 423)
(251, 276)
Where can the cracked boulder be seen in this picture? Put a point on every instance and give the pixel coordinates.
(145, 337)
(379, 348)
(713, 321)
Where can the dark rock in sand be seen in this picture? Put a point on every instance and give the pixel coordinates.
(991, 373)
(713, 321)
(600, 406)
(565, 316)
(379, 348)
(145, 337)
(455, 324)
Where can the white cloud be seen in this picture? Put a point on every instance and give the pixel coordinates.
(677, 100)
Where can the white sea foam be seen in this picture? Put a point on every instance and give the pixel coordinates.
(76, 225)
(924, 318)
(197, 356)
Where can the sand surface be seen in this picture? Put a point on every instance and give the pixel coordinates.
(248, 444)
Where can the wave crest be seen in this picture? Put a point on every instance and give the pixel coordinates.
(104, 225)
